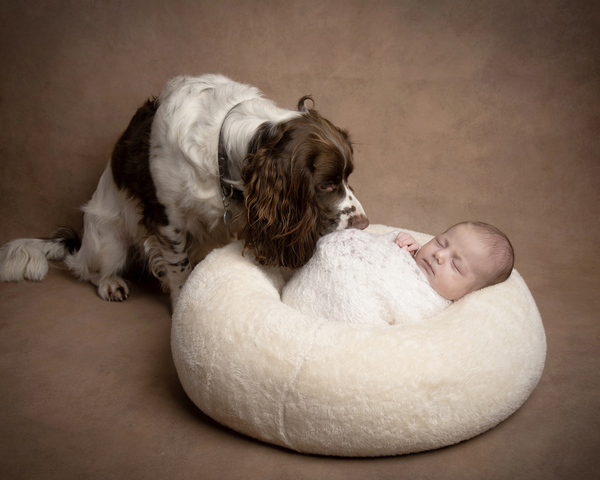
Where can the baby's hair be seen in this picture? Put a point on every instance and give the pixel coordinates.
(502, 255)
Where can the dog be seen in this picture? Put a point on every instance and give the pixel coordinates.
(207, 161)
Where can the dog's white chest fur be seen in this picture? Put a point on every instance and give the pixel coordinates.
(358, 277)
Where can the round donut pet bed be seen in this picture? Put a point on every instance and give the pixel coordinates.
(268, 371)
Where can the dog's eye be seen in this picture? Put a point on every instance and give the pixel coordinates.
(327, 187)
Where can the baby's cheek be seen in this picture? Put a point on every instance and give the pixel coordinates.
(441, 286)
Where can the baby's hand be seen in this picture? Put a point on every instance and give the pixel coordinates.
(406, 242)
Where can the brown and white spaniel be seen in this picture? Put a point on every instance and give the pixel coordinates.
(207, 161)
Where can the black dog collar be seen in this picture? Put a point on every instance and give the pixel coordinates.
(227, 188)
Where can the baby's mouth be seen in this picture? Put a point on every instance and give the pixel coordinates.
(429, 267)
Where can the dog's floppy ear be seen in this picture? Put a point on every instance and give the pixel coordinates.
(282, 216)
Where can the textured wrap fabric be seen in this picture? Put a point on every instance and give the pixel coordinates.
(359, 277)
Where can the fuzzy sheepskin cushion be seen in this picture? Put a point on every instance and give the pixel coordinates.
(266, 370)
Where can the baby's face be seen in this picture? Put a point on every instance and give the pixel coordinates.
(452, 261)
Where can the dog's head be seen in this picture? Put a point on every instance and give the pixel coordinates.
(296, 188)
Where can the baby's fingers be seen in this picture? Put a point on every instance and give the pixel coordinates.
(403, 239)
(413, 247)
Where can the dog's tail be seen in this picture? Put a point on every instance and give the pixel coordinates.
(27, 258)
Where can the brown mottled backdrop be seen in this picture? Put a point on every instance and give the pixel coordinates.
(485, 110)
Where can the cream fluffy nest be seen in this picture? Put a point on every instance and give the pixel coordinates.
(264, 369)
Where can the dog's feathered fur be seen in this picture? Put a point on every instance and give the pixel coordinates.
(161, 190)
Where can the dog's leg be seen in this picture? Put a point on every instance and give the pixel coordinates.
(102, 258)
(168, 259)
(109, 222)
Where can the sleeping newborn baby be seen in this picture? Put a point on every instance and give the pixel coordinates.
(359, 277)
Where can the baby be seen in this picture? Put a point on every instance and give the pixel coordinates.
(466, 257)
(359, 277)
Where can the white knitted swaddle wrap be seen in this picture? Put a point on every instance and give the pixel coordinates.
(359, 277)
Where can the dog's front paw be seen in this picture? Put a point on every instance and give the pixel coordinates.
(114, 289)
